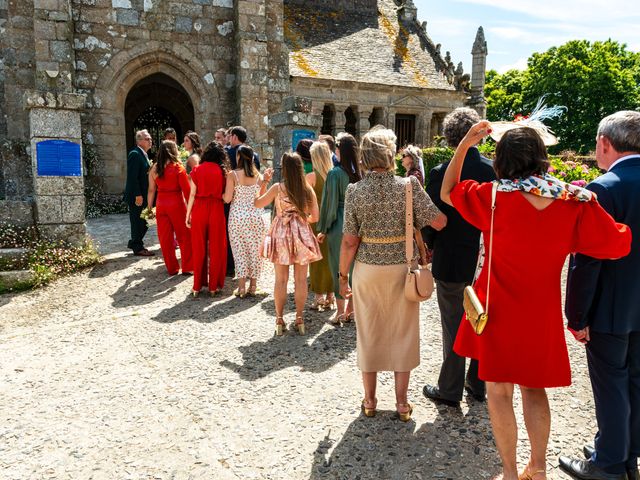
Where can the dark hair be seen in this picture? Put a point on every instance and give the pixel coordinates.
(244, 157)
(328, 139)
(195, 141)
(167, 153)
(302, 149)
(239, 132)
(298, 190)
(349, 154)
(520, 153)
(169, 131)
(214, 152)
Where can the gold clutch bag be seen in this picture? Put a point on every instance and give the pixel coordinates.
(474, 310)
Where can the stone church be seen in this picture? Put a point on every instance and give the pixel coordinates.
(91, 72)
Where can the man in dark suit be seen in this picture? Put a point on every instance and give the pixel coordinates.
(135, 192)
(603, 309)
(455, 255)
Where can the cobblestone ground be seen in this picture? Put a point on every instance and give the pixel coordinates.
(115, 373)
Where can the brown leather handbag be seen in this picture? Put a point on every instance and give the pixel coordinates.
(418, 284)
(477, 314)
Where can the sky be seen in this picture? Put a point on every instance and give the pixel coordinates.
(514, 29)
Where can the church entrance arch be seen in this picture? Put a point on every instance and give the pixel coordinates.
(155, 103)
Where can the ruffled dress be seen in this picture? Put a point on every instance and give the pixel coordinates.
(290, 239)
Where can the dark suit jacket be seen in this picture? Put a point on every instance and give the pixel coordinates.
(455, 247)
(231, 153)
(605, 294)
(137, 176)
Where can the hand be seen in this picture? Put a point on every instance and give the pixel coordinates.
(187, 221)
(321, 237)
(477, 132)
(267, 175)
(581, 336)
(139, 201)
(345, 290)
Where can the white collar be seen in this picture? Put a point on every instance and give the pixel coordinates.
(622, 159)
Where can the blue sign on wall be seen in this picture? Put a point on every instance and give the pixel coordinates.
(58, 158)
(298, 135)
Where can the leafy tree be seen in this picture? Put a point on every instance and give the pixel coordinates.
(591, 79)
(504, 94)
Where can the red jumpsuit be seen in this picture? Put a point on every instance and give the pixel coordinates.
(171, 211)
(208, 227)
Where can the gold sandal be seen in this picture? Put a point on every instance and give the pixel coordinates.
(404, 416)
(280, 326)
(527, 475)
(299, 326)
(369, 412)
(337, 320)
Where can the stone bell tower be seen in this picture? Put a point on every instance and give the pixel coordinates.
(479, 54)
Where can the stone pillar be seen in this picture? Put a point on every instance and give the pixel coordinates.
(479, 54)
(340, 119)
(363, 120)
(423, 128)
(296, 116)
(59, 198)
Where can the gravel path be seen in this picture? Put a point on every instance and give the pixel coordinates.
(115, 373)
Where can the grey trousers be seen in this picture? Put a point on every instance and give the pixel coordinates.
(452, 380)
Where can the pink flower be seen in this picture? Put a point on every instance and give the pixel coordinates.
(579, 183)
(551, 169)
(563, 174)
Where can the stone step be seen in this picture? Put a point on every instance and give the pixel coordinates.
(16, 280)
(13, 259)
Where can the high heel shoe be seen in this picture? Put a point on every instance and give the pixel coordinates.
(404, 416)
(349, 316)
(195, 293)
(369, 412)
(280, 326)
(239, 293)
(529, 475)
(337, 320)
(329, 304)
(299, 326)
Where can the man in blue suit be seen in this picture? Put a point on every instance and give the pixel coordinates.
(135, 191)
(603, 309)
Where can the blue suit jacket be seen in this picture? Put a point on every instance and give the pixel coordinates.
(605, 294)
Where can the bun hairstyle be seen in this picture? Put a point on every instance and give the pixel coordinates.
(378, 148)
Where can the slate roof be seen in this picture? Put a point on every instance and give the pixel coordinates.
(362, 47)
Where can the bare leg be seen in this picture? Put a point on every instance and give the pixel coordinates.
(369, 380)
(402, 385)
(300, 279)
(339, 310)
(537, 419)
(280, 288)
(242, 283)
(505, 429)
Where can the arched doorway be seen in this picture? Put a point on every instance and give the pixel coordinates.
(155, 103)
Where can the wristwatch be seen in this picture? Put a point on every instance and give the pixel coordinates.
(343, 277)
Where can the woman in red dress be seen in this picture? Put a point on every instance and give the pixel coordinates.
(538, 221)
(169, 179)
(205, 218)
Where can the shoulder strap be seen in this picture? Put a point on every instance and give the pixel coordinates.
(408, 221)
(494, 191)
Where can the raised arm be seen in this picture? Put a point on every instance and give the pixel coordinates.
(263, 199)
(452, 176)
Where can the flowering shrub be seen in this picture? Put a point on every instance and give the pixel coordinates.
(572, 171)
(46, 259)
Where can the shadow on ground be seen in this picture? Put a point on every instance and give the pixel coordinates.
(453, 446)
(314, 352)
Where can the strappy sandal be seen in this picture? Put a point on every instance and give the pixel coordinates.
(350, 316)
(527, 475)
(404, 416)
(337, 319)
(239, 293)
(369, 412)
(299, 326)
(280, 326)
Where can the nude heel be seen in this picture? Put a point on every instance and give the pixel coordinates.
(280, 326)
(299, 326)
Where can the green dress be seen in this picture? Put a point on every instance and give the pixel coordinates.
(321, 279)
(332, 218)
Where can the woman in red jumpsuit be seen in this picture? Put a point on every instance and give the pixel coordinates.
(169, 179)
(205, 217)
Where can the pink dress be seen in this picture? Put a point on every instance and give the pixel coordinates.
(290, 239)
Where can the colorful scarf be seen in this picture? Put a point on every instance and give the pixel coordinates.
(547, 186)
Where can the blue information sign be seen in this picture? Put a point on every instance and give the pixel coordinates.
(298, 135)
(59, 158)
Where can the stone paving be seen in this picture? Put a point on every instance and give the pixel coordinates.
(115, 373)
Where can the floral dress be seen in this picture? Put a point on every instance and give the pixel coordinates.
(247, 229)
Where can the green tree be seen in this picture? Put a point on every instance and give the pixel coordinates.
(591, 79)
(504, 94)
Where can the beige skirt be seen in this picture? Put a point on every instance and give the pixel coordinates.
(388, 326)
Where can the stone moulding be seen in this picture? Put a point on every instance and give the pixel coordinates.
(60, 101)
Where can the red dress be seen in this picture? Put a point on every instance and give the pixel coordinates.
(523, 342)
(173, 189)
(208, 227)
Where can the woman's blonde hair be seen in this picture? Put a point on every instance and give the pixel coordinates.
(321, 158)
(378, 148)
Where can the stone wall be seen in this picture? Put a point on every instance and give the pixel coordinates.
(16, 178)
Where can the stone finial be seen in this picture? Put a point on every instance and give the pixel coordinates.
(424, 26)
(408, 11)
(480, 44)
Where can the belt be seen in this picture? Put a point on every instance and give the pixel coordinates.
(384, 240)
